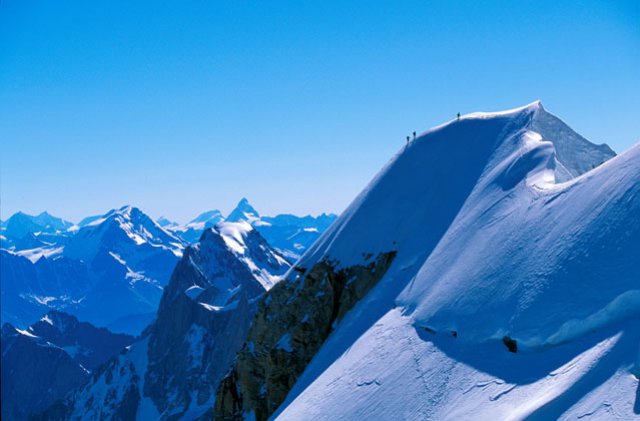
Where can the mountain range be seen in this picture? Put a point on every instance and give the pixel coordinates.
(488, 271)
(122, 257)
(499, 282)
(172, 371)
(44, 362)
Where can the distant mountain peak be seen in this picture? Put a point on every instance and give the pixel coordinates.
(208, 216)
(243, 212)
(165, 222)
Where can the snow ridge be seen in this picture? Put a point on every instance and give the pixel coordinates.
(513, 293)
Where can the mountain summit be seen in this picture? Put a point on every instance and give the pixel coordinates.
(243, 212)
(487, 271)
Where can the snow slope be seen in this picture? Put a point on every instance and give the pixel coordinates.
(506, 240)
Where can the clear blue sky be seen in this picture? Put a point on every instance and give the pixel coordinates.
(183, 106)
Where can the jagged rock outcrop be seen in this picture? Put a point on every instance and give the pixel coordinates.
(173, 371)
(291, 325)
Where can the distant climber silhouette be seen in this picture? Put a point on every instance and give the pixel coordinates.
(414, 135)
(408, 138)
(458, 116)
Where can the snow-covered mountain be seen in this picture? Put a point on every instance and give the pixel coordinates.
(192, 231)
(243, 212)
(50, 358)
(173, 370)
(489, 271)
(23, 232)
(291, 235)
(30, 288)
(110, 273)
(110, 269)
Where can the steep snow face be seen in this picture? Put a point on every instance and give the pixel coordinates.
(545, 263)
(575, 155)
(265, 263)
(494, 254)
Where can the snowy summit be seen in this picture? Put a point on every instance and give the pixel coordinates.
(491, 261)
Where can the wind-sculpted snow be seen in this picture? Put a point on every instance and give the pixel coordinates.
(514, 290)
(545, 262)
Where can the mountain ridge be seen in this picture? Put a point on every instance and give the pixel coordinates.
(485, 168)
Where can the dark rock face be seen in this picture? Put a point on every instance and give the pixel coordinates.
(291, 325)
(192, 344)
(191, 347)
(174, 369)
(34, 374)
(28, 289)
(88, 345)
(53, 356)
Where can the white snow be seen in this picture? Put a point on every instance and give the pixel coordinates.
(25, 333)
(498, 234)
(211, 307)
(44, 300)
(233, 234)
(194, 291)
(35, 254)
(118, 258)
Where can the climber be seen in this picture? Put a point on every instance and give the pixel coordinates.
(408, 138)
(458, 116)
(414, 135)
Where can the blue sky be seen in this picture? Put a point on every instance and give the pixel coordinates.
(183, 106)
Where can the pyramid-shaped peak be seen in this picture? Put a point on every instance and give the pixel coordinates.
(243, 212)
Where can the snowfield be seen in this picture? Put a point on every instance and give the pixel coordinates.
(515, 292)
